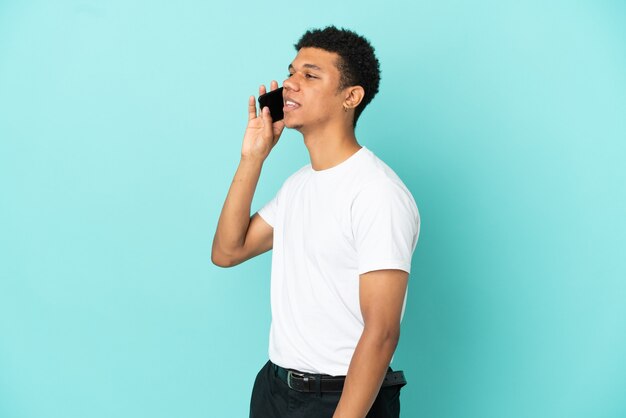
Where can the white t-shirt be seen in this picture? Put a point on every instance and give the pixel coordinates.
(330, 226)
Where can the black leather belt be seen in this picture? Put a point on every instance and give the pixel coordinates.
(307, 382)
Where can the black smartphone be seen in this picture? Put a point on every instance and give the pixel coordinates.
(273, 100)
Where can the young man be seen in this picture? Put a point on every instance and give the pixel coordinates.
(343, 230)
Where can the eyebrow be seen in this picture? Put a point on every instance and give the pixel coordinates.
(311, 66)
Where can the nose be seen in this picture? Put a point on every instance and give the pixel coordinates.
(291, 83)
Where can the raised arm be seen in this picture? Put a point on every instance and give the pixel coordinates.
(239, 236)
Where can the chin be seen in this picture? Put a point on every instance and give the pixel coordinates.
(292, 125)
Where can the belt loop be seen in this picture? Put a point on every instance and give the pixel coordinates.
(318, 385)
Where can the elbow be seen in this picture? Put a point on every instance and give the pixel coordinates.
(390, 342)
(218, 257)
(220, 262)
(392, 337)
(385, 337)
(222, 259)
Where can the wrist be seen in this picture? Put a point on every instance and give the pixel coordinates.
(251, 161)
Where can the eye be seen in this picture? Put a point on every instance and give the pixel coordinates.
(309, 75)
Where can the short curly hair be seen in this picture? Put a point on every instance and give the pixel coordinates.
(357, 64)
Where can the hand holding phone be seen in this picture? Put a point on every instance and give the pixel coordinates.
(260, 137)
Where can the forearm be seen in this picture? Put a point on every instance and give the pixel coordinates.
(367, 370)
(235, 217)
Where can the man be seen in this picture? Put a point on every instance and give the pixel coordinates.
(343, 230)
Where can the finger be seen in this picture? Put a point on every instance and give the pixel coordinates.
(273, 85)
(251, 108)
(267, 121)
(262, 90)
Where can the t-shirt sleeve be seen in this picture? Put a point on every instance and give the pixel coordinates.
(268, 212)
(385, 225)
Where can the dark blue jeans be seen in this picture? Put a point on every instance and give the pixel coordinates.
(272, 398)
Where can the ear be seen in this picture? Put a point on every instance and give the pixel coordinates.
(353, 97)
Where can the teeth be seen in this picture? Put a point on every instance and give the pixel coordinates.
(290, 103)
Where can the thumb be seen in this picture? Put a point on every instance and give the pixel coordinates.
(267, 122)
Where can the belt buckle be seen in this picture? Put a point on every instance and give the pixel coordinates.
(290, 374)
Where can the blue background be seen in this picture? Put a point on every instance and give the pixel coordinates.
(120, 130)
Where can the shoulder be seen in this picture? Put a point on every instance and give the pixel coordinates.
(297, 177)
(384, 197)
(379, 181)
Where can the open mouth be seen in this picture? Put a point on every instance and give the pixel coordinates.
(290, 105)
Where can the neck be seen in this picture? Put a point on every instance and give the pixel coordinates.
(330, 147)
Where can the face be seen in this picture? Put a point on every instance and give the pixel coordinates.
(311, 91)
